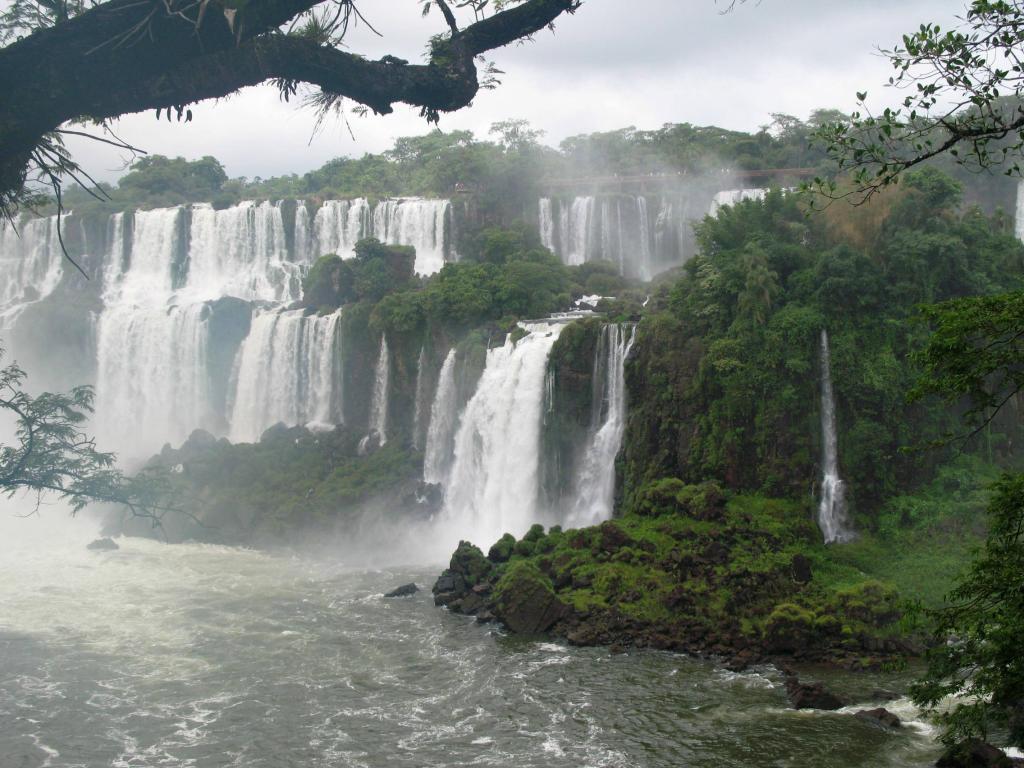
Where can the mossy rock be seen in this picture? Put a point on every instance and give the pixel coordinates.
(470, 562)
(525, 600)
(502, 549)
(790, 629)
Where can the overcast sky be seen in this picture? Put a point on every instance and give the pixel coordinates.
(613, 64)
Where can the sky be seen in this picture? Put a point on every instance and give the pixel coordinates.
(613, 64)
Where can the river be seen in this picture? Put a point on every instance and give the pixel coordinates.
(207, 656)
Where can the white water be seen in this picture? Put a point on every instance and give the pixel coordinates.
(832, 516)
(619, 229)
(420, 407)
(31, 261)
(285, 372)
(595, 484)
(733, 196)
(1018, 220)
(441, 431)
(493, 485)
(381, 393)
(422, 223)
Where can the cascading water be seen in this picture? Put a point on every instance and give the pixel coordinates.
(493, 483)
(441, 432)
(31, 261)
(416, 222)
(286, 372)
(595, 482)
(381, 395)
(733, 196)
(1019, 218)
(339, 224)
(832, 515)
(420, 407)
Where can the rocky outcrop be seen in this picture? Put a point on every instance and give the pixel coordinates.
(525, 601)
(974, 753)
(811, 695)
(102, 545)
(405, 590)
(880, 716)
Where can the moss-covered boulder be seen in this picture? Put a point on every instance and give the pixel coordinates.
(525, 600)
(501, 550)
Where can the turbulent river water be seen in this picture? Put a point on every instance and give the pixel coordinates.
(198, 655)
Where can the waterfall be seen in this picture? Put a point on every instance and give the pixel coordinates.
(31, 262)
(1018, 220)
(733, 196)
(443, 417)
(240, 251)
(151, 381)
(381, 393)
(546, 224)
(421, 397)
(595, 481)
(493, 484)
(419, 222)
(832, 516)
(416, 222)
(285, 372)
(339, 224)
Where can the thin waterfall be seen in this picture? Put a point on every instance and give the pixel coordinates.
(441, 432)
(832, 513)
(419, 408)
(381, 394)
(546, 224)
(285, 373)
(1018, 220)
(338, 225)
(493, 484)
(595, 482)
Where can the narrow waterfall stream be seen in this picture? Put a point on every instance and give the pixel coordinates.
(443, 418)
(381, 395)
(594, 498)
(832, 514)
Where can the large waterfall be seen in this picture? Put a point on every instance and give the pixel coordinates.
(832, 516)
(493, 484)
(286, 372)
(163, 276)
(595, 483)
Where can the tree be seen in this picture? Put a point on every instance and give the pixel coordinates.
(53, 455)
(68, 61)
(966, 100)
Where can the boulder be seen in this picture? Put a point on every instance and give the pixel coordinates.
(403, 591)
(974, 753)
(811, 695)
(449, 588)
(501, 550)
(470, 563)
(102, 545)
(526, 602)
(880, 716)
(801, 568)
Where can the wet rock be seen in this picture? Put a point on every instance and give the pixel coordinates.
(484, 617)
(470, 563)
(501, 551)
(403, 591)
(811, 695)
(880, 716)
(527, 603)
(974, 753)
(801, 568)
(102, 545)
(881, 694)
(449, 588)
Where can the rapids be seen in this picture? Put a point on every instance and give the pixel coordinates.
(206, 656)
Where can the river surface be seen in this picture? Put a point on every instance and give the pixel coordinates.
(207, 656)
